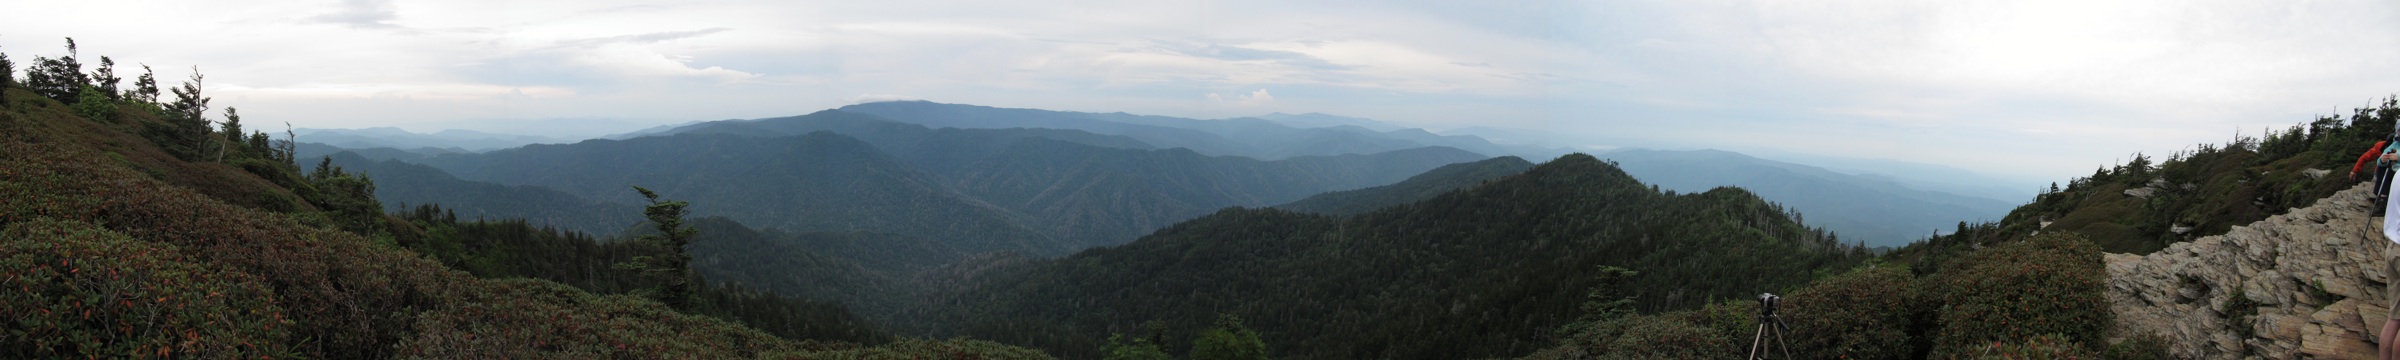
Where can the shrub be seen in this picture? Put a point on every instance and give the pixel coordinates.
(1709, 332)
(1864, 314)
(2143, 346)
(2049, 284)
(74, 291)
(2043, 347)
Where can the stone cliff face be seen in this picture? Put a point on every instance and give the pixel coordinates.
(2298, 285)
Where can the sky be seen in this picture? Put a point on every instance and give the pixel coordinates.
(2030, 89)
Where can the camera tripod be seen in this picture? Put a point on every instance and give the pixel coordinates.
(1769, 322)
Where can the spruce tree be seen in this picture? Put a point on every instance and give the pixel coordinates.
(145, 88)
(8, 72)
(8, 78)
(105, 79)
(674, 283)
(189, 113)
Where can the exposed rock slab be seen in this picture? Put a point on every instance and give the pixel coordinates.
(2310, 278)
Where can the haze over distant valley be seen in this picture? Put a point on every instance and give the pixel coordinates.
(1153, 180)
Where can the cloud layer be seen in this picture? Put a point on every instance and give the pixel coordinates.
(2045, 89)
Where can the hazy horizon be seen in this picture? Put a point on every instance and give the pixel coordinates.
(2028, 89)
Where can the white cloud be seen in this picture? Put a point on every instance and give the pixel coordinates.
(2031, 86)
(1254, 99)
(875, 98)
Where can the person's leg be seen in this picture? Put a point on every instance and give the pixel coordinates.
(2388, 344)
(2385, 348)
(2383, 188)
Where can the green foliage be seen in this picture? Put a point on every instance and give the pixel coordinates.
(1606, 301)
(1121, 347)
(104, 80)
(669, 266)
(2205, 190)
(961, 349)
(514, 248)
(1417, 188)
(1716, 331)
(188, 118)
(124, 240)
(95, 105)
(1868, 313)
(1228, 340)
(2241, 313)
(77, 291)
(399, 185)
(1486, 272)
(8, 75)
(2049, 284)
(2143, 346)
(1039, 192)
(348, 199)
(2041, 347)
(145, 88)
(59, 79)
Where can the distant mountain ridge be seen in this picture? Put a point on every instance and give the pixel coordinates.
(1038, 191)
(387, 137)
(1267, 139)
(777, 182)
(1859, 208)
(1417, 188)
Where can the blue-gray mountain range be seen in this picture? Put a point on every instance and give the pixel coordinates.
(1046, 182)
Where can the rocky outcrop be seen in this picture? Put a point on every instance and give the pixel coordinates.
(2307, 282)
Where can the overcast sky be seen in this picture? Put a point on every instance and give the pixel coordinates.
(2027, 88)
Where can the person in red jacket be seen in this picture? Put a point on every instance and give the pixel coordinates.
(2384, 155)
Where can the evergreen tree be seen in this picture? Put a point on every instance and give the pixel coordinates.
(189, 114)
(349, 199)
(671, 268)
(231, 130)
(1608, 299)
(1228, 340)
(145, 88)
(287, 149)
(8, 73)
(59, 79)
(105, 79)
(1121, 347)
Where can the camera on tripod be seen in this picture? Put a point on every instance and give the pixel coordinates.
(1766, 304)
(1769, 322)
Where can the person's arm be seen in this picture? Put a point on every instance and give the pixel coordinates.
(2370, 154)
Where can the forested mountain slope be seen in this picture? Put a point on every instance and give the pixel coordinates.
(943, 151)
(1038, 191)
(401, 186)
(2151, 202)
(2238, 264)
(119, 247)
(1417, 188)
(819, 181)
(1483, 272)
(1101, 196)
